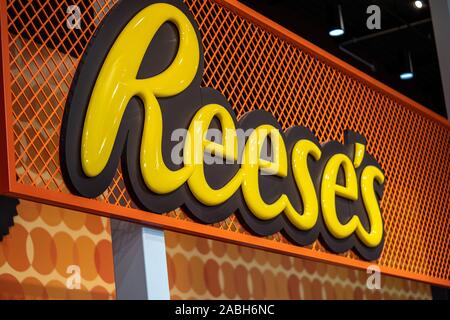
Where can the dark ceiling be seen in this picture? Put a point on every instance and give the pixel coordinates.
(310, 20)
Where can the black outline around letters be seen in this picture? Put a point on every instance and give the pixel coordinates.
(177, 113)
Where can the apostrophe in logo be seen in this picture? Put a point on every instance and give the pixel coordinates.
(139, 81)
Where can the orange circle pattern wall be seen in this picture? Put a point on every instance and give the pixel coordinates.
(39, 256)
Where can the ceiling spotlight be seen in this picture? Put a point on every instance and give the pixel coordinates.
(336, 32)
(406, 75)
(407, 71)
(336, 22)
(418, 4)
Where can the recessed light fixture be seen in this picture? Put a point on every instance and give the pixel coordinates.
(336, 22)
(418, 4)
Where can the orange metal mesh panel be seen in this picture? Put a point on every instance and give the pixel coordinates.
(254, 69)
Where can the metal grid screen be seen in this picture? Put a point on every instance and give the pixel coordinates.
(254, 69)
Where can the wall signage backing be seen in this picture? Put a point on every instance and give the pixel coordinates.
(9, 211)
(140, 80)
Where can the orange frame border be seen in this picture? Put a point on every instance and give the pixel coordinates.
(9, 186)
